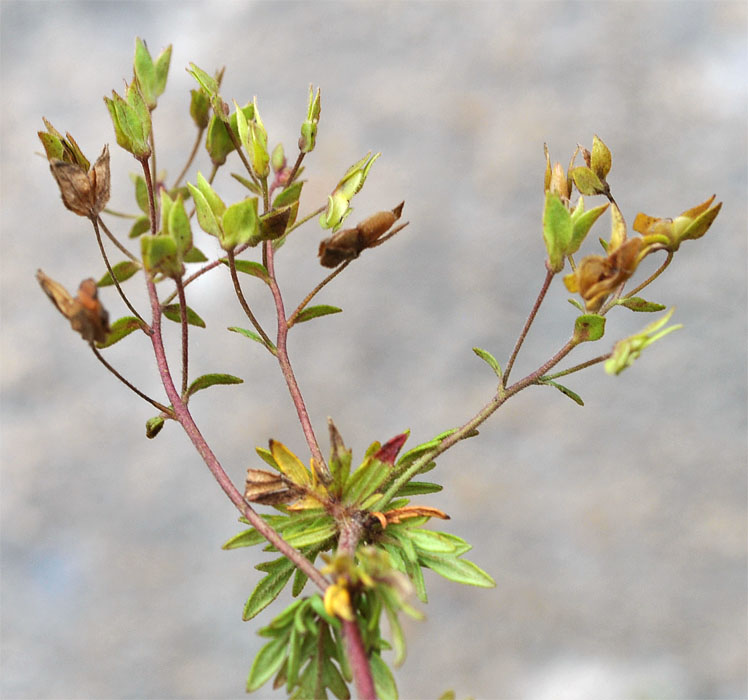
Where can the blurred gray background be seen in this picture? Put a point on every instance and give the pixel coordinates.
(616, 532)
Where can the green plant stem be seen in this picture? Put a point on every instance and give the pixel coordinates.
(580, 366)
(182, 414)
(245, 305)
(132, 387)
(302, 221)
(653, 276)
(285, 363)
(521, 339)
(292, 318)
(185, 337)
(501, 396)
(94, 221)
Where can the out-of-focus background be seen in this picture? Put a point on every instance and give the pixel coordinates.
(616, 532)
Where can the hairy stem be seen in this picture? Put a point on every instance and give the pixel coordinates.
(285, 363)
(245, 306)
(185, 338)
(184, 417)
(113, 238)
(95, 222)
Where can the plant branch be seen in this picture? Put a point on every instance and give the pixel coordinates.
(164, 409)
(541, 295)
(191, 157)
(184, 417)
(95, 222)
(185, 339)
(242, 300)
(580, 366)
(285, 363)
(653, 276)
(310, 296)
(113, 238)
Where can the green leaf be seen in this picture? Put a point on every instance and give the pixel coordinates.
(365, 480)
(254, 189)
(564, 390)
(289, 464)
(179, 227)
(431, 542)
(267, 662)
(171, 311)
(311, 312)
(210, 380)
(289, 195)
(141, 194)
(312, 535)
(160, 255)
(457, 570)
(589, 327)
(413, 488)
(122, 271)
(251, 334)
(248, 538)
(582, 222)
(490, 359)
(153, 426)
(267, 590)
(249, 267)
(141, 225)
(384, 681)
(639, 304)
(121, 328)
(334, 681)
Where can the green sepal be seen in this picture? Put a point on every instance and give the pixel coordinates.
(208, 380)
(199, 108)
(253, 336)
(171, 311)
(178, 225)
(131, 119)
(208, 206)
(141, 225)
(210, 85)
(457, 570)
(240, 224)
(160, 255)
(638, 304)
(311, 312)
(121, 328)
(490, 359)
(269, 587)
(153, 426)
(588, 327)
(557, 230)
(587, 182)
(122, 271)
(151, 76)
(273, 225)
(249, 267)
(194, 255)
(600, 158)
(582, 222)
(564, 390)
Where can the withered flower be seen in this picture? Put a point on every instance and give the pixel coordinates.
(348, 244)
(596, 276)
(670, 233)
(84, 311)
(84, 192)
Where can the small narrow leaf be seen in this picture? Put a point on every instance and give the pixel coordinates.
(384, 682)
(457, 570)
(490, 359)
(252, 335)
(122, 271)
(314, 311)
(414, 488)
(269, 587)
(588, 328)
(267, 662)
(564, 390)
(639, 304)
(210, 380)
(194, 255)
(290, 464)
(171, 312)
(249, 267)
